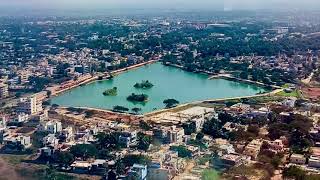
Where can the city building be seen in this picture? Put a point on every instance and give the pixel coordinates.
(29, 105)
(138, 171)
(4, 90)
(51, 127)
(297, 159)
(253, 148)
(128, 138)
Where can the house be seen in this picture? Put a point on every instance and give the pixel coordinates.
(175, 135)
(46, 151)
(233, 159)
(253, 148)
(314, 160)
(238, 108)
(81, 167)
(138, 171)
(276, 145)
(128, 138)
(50, 126)
(22, 117)
(67, 135)
(17, 142)
(50, 140)
(159, 173)
(297, 159)
(289, 103)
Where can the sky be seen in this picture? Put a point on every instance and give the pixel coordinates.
(162, 4)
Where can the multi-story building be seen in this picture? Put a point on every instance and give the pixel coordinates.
(18, 141)
(30, 105)
(51, 127)
(4, 92)
(138, 171)
(128, 138)
(175, 135)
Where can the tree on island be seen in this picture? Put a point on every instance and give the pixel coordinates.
(137, 97)
(170, 103)
(120, 109)
(144, 85)
(136, 110)
(111, 92)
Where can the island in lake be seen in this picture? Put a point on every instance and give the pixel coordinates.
(111, 92)
(143, 85)
(137, 97)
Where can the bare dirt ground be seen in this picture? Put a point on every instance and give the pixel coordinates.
(312, 93)
(8, 172)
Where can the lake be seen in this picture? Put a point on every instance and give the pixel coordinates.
(169, 82)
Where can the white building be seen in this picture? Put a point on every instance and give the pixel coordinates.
(297, 159)
(175, 135)
(50, 140)
(22, 117)
(198, 115)
(4, 92)
(51, 126)
(29, 105)
(25, 141)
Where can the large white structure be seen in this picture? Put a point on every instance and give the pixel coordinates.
(30, 105)
(196, 114)
(51, 126)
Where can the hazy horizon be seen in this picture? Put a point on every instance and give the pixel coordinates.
(162, 4)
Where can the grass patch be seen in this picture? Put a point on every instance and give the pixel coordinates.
(210, 174)
(296, 93)
(13, 159)
(285, 86)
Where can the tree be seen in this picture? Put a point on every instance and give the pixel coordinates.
(39, 83)
(213, 127)
(170, 103)
(112, 175)
(144, 141)
(84, 151)
(182, 151)
(64, 158)
(49, 93)
(294, 172)
(189, 128)
(131, 159)
(136, 110)
(105, 141)
(243, 75)
(199, 136)
(120, 109)
(144, 125)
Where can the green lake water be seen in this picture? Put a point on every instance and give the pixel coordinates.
(169, 82)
